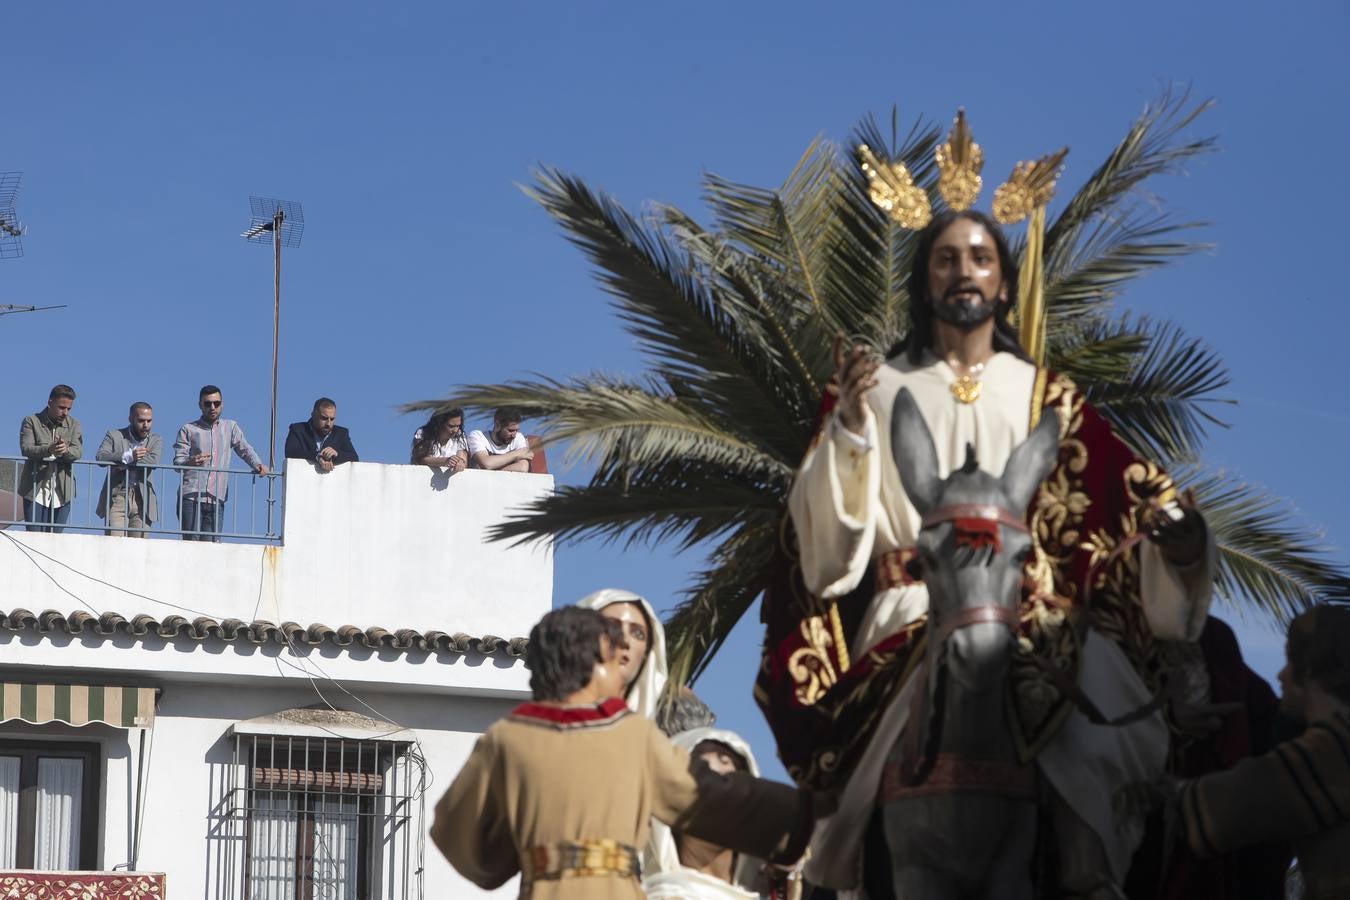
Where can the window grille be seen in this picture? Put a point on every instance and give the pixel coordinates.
(328, 818)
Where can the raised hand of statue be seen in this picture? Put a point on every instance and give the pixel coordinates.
(855, 375)
(1181, 537)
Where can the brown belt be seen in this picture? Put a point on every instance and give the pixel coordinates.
(580, 859)
(890, 569)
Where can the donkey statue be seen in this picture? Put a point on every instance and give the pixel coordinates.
(959, 810)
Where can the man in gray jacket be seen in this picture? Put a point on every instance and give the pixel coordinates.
(128, 498)
(50, 441)
(206, 443)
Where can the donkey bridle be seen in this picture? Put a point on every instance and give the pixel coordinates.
(917, 762)
(988, 613)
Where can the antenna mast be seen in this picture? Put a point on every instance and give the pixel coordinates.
(280, 223)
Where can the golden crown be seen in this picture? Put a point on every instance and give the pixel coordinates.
(959, 161)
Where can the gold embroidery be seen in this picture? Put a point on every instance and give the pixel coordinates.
(840, 645)
(810, 667)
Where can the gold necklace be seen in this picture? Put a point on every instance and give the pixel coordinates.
(966, 389)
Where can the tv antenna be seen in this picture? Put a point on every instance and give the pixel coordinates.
(9, 309)
(11, 230)
(280, 223)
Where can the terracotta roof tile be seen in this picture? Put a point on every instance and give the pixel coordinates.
(260, 632)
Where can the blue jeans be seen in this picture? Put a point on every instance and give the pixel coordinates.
(201, 513)
(49, 516)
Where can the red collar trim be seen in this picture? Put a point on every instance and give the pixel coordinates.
(564, 717)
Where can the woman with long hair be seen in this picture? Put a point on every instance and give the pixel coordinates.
(441, 442)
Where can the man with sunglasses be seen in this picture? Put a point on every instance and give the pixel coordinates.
(206, 443)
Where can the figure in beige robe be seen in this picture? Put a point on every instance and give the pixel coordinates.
(546, 778)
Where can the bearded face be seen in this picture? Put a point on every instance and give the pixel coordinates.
(965, 280)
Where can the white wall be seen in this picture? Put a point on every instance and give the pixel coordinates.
(184, 831)
(367, 544)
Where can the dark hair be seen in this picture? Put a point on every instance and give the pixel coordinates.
(137, 407)
(322, 402)
(920, 335)
(506, 415)
(564, 648)
(703, 746)
(432, 427)
(684, 712)
(62, 390)
(208, 389)
(1319, 647)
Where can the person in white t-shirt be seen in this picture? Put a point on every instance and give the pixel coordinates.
(441, 443)
(504, 448)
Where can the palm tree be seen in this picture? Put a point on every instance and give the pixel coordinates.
(738, 318)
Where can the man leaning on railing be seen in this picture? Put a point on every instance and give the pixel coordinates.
(128, 497)
(206, 443)
(50, 441)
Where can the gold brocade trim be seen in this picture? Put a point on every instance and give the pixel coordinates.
(840, 645)
(812, 672)
(580, 859)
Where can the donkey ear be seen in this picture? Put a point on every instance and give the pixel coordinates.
(915, 456)
(1031, 461)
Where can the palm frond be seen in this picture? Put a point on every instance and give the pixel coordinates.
(1154, 145)
(1111, 254)
(717, 599)
(701, 504)
(749, 288)
(674, 316)
(1162, 404)
(789, 225)
(1267, 559)
(869, 272)
(600, 417)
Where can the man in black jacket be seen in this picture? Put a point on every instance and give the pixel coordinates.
(320, 440)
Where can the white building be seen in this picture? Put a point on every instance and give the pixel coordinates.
(264, 721)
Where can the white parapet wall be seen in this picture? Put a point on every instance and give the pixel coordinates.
(365, 545)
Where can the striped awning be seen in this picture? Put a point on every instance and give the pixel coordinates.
(77, 704)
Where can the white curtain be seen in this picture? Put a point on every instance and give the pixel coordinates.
(9, 811)
(60, 784)
(336, 827)
(271, 854)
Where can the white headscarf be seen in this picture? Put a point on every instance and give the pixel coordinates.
(662, 874)
(645, 692)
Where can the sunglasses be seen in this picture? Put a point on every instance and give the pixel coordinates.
(212, 402)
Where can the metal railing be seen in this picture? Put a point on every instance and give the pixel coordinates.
(251, 512)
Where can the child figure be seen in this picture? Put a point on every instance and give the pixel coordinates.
(564, 788)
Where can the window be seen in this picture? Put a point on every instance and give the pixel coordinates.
(48, 805)
(323, 816)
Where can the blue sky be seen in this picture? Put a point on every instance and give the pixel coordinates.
(405, 129)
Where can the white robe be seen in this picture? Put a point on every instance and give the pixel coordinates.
(849, 507)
